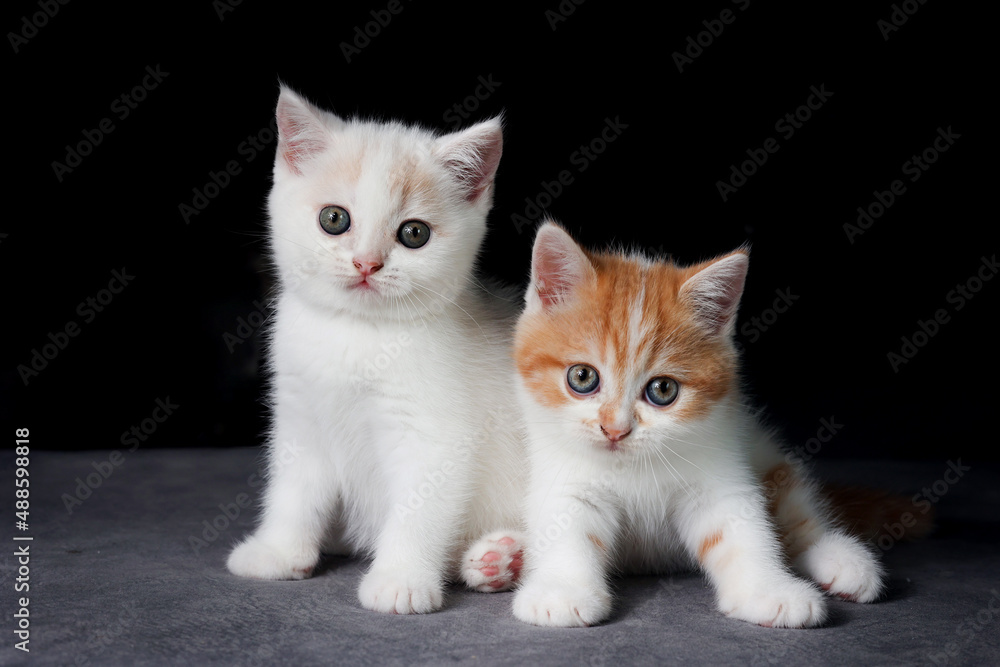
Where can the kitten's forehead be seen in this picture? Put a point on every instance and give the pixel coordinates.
(410, 178)
(396, 160)
(635, 310)
(627, 318)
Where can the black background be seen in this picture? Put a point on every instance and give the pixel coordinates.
(557, 83)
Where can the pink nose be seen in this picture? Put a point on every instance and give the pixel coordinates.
(366, 267)
(615, 434)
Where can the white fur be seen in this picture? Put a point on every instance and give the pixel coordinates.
(387, 401)
(651, 505)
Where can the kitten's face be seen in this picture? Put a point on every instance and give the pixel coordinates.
(378, 219)
(625, 353)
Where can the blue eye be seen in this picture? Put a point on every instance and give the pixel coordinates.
(414, 233)
(662, 391)
(583, 379)
(334, 220)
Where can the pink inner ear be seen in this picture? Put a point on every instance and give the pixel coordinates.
(480, 179)
(715, 291)
(473, 157)
(558, 265)
(550, 284)
(299, 134)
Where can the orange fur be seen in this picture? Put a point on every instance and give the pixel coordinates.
(597, 542)
(707, 544)
(345, 170)
(410, 183)
(796, 531)
(778, 482)
(669, 340)
(865, 512)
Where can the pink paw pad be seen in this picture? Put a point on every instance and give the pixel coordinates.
(493, 563)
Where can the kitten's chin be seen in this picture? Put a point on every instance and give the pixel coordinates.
(366, 296)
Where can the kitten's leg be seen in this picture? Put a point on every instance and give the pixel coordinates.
(839, 562)
(729, 534)
(493, 563)
(298, 502)
(568, 556)
(415, 547)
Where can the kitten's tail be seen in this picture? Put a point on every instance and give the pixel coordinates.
(881, 517)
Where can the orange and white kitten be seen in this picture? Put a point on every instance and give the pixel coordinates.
(644, 456)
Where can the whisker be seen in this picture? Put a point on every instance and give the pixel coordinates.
(454, 303)
(672, 451)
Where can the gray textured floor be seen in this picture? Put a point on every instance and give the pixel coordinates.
(121, 580)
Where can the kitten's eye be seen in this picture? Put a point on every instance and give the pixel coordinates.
(583, 379)
(334, 220)
(662, 391)
(413, 233)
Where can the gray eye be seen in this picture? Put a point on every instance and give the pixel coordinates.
(334, 220)
(583, 379)
(413, 233)
(662, 391)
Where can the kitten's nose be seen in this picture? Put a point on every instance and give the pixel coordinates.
(615, 434)
(366, 267)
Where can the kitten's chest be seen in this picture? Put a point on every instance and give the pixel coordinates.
(344, 356)
(650, 541)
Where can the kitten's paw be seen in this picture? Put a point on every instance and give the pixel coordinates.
(554, 603)
(844, 567)
(493, 563)
(257, 559)
(787, 602)
(393, 592)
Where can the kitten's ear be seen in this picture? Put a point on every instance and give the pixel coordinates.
(302, 133)
(558, 267)
(714, 291)
(472, 156)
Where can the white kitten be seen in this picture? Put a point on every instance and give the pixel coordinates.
(390, 362)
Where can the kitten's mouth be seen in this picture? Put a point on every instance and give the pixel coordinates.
(364, 285)
(612, 447)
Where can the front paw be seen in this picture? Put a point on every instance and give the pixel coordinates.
(552, 603)
(392, 592)
(844, 567)
(257, 559)
(784, 602)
